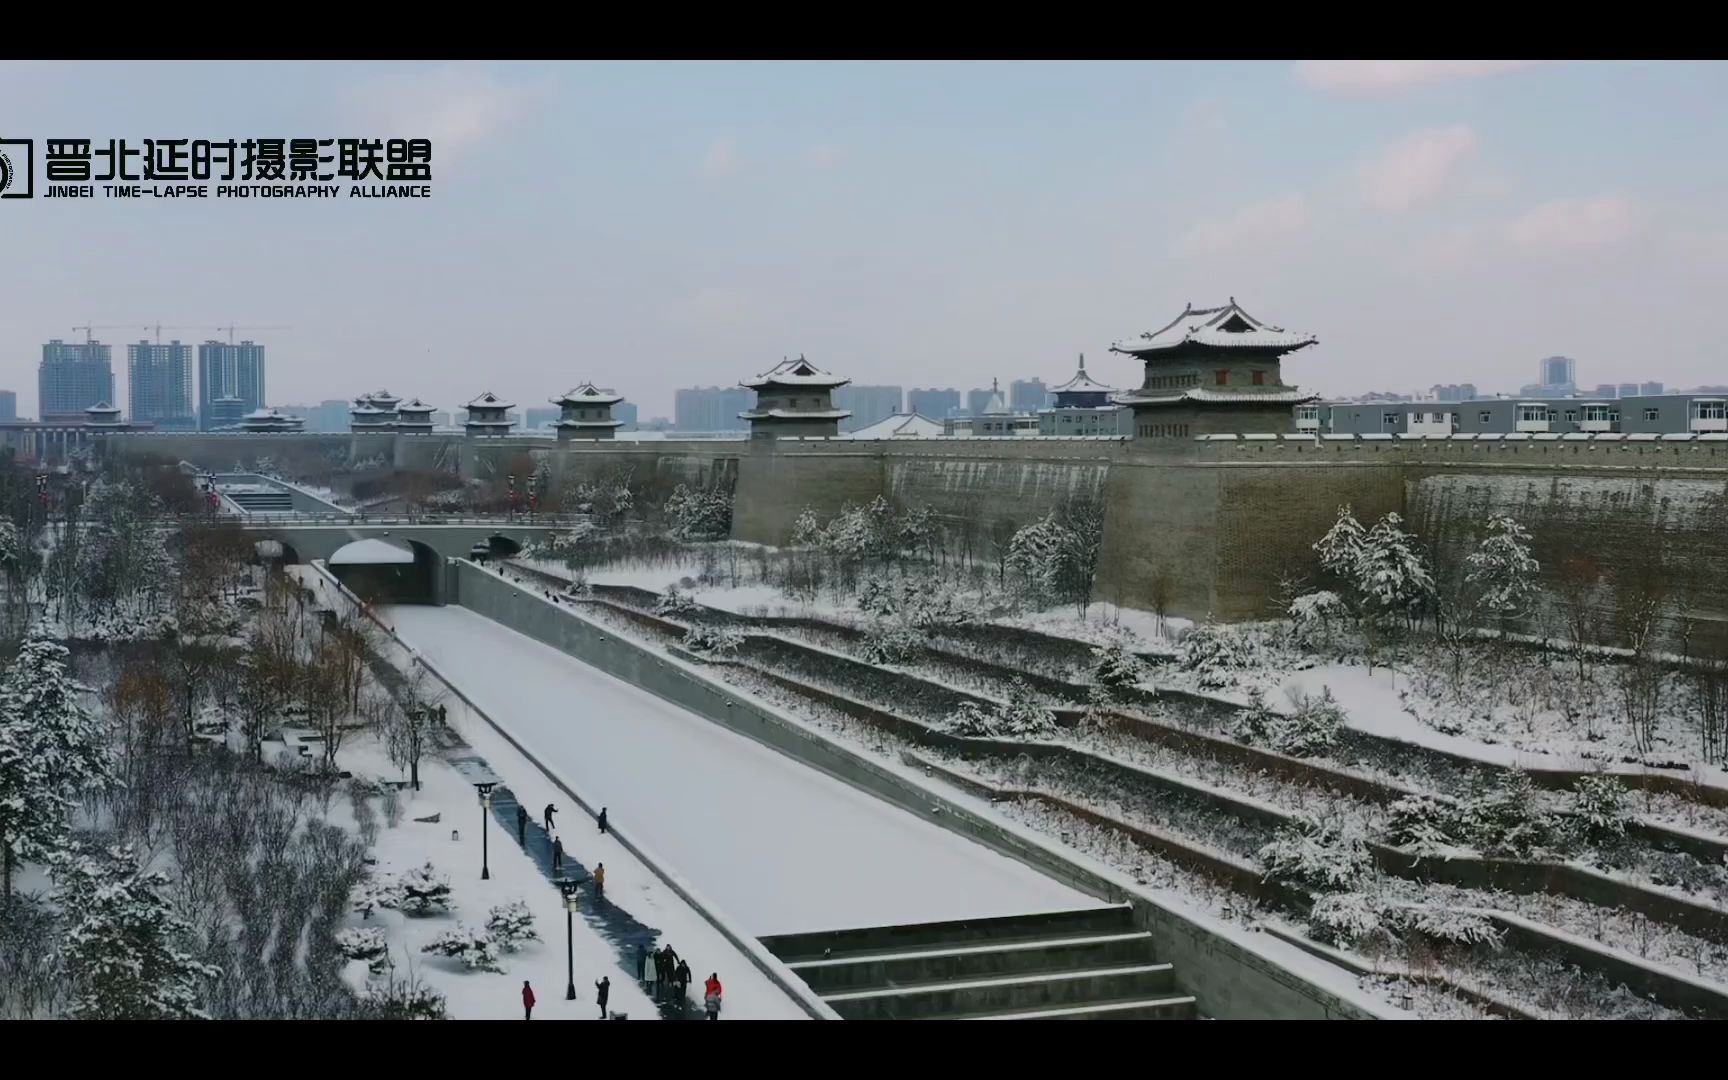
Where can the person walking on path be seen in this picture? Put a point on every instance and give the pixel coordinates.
(557, 855)
(641, 960)
(550, 810)
(602, 991)
(661, 975)
(527, 1001)
(683, 979)
(521, 825)
(711, 995)
(648, 973)
(599, 880)
(602, 821)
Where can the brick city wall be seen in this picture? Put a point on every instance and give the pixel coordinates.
(1199, 527)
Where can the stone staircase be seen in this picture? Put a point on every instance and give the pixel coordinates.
(1068, 965)
(260, 501)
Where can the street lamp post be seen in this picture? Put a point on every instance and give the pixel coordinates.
(568, 888)
(485, 788)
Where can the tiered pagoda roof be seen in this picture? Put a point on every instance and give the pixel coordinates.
(1202, 330)
(416, 406)
(588, 394)
(1082, 383)
(489, 400)
(799, 374)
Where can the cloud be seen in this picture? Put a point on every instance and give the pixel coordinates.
(1418, 168)
(721, 160)
(1365, 77)
(456, 107)
(1574, 224)
(824, 156)
(1256, 227)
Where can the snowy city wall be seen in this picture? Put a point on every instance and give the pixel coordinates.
(1234, 973)
(1197, 529)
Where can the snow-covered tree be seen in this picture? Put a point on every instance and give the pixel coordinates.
(1599, 809)
(511, 925)
(1503, 568)
(1115, 666)
(713, 640)
(1314, 614)
(1317, 853)
(422, 891)
(52, 752)
(1214, 653)
(122, 948)
(1043, 554)
(363, 943)
(1021, 716)
(1391, 573)
(807, 531)
(469, 944)
(1342, 545)
(892, 643)
(699, 513)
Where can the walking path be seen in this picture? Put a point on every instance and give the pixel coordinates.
(623, 930)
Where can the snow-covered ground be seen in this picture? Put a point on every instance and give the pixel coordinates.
(452, 846)
(779, 846)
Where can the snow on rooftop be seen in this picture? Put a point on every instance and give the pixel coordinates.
(1220, 327)
(489, 400)
(799, 372)
(372, 552)
(588, 394)
(900, 425)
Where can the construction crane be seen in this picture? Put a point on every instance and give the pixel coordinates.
(159, 327)
(232, 328)
(89, 331)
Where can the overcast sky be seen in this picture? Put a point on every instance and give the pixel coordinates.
(650, 226)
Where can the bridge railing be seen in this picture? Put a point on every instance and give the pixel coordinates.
(369, 520)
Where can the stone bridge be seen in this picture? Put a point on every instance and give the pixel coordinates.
(430, 544)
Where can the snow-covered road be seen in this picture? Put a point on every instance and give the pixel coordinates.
(779, 846)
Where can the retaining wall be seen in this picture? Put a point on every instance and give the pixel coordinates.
(1235, 974)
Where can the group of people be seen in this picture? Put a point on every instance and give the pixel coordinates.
(665, 975)
(666, 978)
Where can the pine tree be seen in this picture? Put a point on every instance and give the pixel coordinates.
(121, 947)
(1342, 545)
(1390, 573)
(1503, 567)
(52, 751)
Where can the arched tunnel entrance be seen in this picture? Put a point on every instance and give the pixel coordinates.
(503, 547)
(389, 571)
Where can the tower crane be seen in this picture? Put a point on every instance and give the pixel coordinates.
(231, 328)
(89, 331)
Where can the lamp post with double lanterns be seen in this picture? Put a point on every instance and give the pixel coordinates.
(485, 788)
(568, 887)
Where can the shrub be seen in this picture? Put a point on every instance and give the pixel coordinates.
(1509, 818)
(890, 643)
(673, 602)
(1346, 918)
(714, 640)
(1599, 811)
(1423, 824)
(1315, 613)
(403, 1000)
(1113, 665)
(1022, 716)
(1315, 853)
(471, 945)
(363, 943)
(1214, 652)
(1310, 728)
(1447, 924)
(510, 925)
(420, 892)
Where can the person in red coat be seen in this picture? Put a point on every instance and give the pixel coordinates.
(711, 996)
(527, 1001)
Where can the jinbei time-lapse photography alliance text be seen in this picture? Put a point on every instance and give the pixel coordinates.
(222, 169)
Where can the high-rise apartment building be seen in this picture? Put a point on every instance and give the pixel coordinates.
(625, 411)
(933, 403)
(869, 404)
(8, 405)
(1557, 371)
(711, 408)
(226, 373)
(1028, 395)
(73, 377)
(159, 383)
